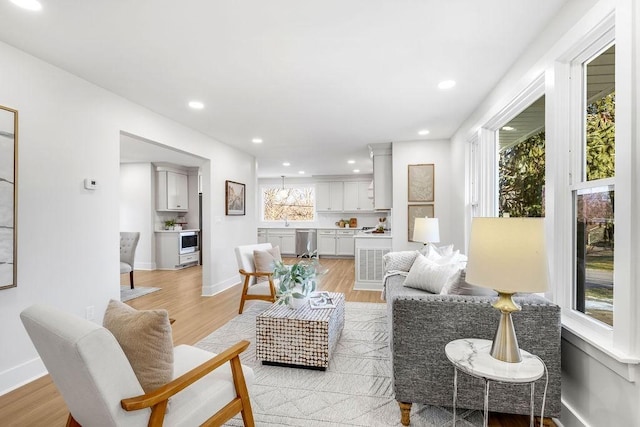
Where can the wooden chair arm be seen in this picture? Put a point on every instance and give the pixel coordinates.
(162, 394)
(256, 274)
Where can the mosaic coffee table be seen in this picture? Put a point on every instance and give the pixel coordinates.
(303, 338)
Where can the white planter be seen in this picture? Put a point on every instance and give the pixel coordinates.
(297, 303)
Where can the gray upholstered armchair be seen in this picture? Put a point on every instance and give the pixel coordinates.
(128, 245)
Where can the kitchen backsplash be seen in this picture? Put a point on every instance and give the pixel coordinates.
(328, 220)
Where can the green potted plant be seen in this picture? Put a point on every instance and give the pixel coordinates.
(169, 224)
(297, 281)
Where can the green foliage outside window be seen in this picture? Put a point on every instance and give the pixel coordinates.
(522, 169)
(601, 128)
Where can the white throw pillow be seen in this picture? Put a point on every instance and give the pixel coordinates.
(430, 276)
(461, 287)
(434, 252)
(400, 261)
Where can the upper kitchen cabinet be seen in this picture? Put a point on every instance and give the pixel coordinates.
(382, 176)
(356, 197)
(172, 190)
(329, 196)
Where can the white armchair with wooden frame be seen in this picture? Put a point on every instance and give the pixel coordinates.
(100, 388)
(252, 287)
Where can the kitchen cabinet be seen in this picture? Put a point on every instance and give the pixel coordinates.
(329, 196)
(262, 235)
(344, 242)
(168, 255)
(382, 176)
(284, 238)
(172, 191)
(356, 196)
(336, 242)
(326, 242)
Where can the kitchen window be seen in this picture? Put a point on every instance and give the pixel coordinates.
(295, 203)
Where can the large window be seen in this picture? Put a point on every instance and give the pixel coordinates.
(288, 204)
(593, 190)
(521, 163)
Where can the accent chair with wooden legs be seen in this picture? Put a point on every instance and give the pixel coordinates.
(100, 388)
(252, 288)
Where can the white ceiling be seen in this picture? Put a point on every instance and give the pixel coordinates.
(316, 80)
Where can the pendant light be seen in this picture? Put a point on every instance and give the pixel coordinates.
(282, 193)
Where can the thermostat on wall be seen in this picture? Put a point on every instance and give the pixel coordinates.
(90, 184)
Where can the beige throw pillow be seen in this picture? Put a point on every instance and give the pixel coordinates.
(265, 261)
(429, 276)
(145, 338)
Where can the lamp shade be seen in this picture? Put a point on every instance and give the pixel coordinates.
(508, 255)
(426, 230)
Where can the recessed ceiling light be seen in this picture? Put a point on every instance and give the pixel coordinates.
(508, 128)
(423, 132)
(446, 84)
(286, 164)
(257, 140)
(196, 105)
(351, 161)
(28, 4)
(301, 172)
(356, 171)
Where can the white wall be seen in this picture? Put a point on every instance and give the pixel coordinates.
(422, 152)
(68, 236)
(136, 209)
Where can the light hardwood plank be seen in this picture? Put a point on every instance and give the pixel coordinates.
(39, 403)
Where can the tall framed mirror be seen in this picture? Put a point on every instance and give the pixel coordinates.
(8, 196)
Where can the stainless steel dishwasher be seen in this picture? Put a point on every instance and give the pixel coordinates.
(306, 241)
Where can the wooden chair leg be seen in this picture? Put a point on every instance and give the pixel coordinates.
(245, 287)
(71, 422)
(131, 278)
(242, 392)
(405, 413)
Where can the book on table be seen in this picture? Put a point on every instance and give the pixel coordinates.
(318, 300)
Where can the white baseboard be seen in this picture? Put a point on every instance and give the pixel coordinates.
(211, 290)
(570, 417)
(20, 375)
(365, 286)
(149, 266)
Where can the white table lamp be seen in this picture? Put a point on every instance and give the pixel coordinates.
(508, 255)
(426, 230)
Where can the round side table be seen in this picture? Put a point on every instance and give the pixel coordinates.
(472, 357)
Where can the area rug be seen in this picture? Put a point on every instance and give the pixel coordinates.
(126, 293)
(355, 390)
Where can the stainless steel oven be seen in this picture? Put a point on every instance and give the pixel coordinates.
(189, 242)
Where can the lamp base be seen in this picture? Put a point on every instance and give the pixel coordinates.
(505, 342)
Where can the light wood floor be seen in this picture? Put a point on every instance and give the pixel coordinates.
(39, 404)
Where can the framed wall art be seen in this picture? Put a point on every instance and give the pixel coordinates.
(418, 211)
(421, 183)
(234, 198)
(8, 196)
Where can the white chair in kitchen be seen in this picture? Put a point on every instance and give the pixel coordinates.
(251, 288)
(128, 245)
(100, 388)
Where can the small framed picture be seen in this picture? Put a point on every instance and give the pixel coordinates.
(418, 211)
(234, 198)
(420, 183)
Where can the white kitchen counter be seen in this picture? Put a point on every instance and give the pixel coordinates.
(363, 235)
(177, 231)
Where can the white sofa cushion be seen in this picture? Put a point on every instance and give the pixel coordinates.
(195, 404)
